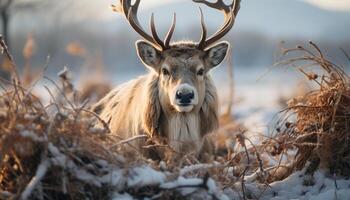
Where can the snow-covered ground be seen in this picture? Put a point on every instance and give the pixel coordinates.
(323, 187)
(257, 102)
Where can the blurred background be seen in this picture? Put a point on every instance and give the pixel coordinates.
(96, 43)
(104, 35)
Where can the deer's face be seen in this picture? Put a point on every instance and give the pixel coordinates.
(182, 70)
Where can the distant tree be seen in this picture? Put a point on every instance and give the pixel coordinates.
(8, 8)
(5, 15)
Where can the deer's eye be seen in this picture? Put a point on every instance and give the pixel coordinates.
(165, 72)
(200, 72)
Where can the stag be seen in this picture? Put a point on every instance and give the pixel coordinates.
(177, 99)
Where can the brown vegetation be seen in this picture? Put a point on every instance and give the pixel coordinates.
(56, 152)
(318, 123)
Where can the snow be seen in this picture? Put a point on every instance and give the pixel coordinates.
(211, 186)
(201, 166)
(214, 191)
(85, 176)
(58, 158)
(185, 186)
(32, 135)
(181, 181)
(102, 163)
(321, 187)
(145, 175)
(40, 173)
(29, 117)
(115, 178)
(124, 196)
(258, 107)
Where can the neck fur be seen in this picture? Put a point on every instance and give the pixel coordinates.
(184, 131)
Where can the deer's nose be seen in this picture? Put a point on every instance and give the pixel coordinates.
(185, 96)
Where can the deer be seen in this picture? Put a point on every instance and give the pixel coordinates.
(177, 100)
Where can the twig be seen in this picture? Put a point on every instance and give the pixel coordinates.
(129, 140)
(60, 90)
(241, 139)
(52, 98)
(335, 186)
(257, 157)
(105, 125)
(39, 77)
(345, 53)
(6, 51)
(156, 146)
(231, 84)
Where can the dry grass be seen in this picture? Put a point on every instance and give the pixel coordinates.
(318, 123)
(47, 151)
(62, 145)
(56, 152)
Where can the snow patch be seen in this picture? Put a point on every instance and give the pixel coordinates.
(145, 175)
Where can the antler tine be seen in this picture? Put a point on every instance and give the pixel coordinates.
(221, 32)
(236, 7)
(230, 12)
(170, 32)
(130, 12)
(230, 20)
(135, 25)
(204, 30)
(219, 4)
(210, 4)
(154, 33)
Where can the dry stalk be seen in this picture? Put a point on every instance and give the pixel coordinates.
(8, 55)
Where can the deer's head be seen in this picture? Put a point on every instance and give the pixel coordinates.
(181, 67)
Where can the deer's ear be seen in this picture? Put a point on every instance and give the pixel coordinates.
(214, 55)
(148, 54)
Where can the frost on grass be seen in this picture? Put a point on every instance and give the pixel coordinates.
(145, 175)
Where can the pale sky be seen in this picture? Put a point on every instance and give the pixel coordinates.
(105, 12)
(343, 5)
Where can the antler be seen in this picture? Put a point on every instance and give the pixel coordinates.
(130, 12)
(230, 13)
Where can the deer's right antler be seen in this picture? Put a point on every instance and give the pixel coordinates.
(230, 13)
(130, 12)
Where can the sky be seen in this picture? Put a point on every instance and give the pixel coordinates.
(335, 5)
(341, 5)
